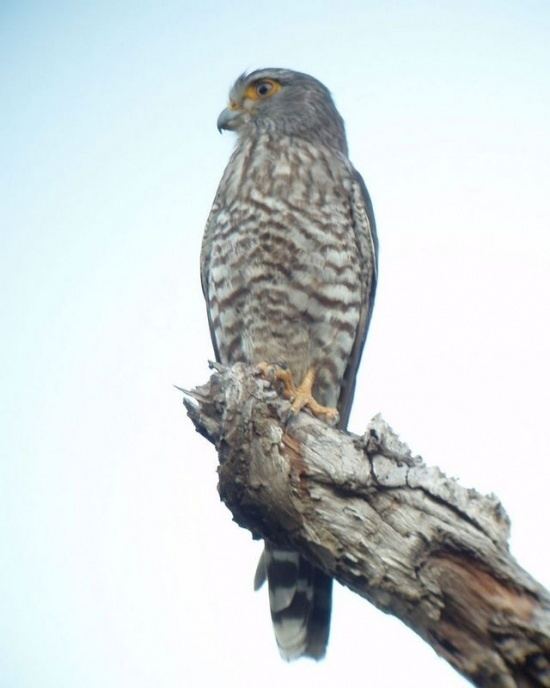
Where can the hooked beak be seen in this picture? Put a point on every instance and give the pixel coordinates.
(228, 119)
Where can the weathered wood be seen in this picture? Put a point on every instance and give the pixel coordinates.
(397, 532)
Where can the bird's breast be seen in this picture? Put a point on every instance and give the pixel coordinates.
(284, 276)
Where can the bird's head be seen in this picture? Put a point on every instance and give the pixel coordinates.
(283, 102)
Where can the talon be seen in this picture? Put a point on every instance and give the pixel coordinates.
(265, 370)
(301, 397)
(274, 372)
(305, 399)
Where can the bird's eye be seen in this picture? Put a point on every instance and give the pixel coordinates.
(263, 88)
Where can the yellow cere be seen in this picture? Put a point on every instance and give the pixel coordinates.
(264, 88)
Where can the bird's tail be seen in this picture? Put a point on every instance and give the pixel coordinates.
(300, 597)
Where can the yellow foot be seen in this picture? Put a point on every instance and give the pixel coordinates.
(301, 396)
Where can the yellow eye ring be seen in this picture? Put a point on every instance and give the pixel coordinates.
(264, 88)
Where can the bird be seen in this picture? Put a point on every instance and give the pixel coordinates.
(289, 264)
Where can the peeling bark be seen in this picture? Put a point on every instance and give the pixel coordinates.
(399, 533)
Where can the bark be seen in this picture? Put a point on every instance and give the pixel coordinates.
(399, 533)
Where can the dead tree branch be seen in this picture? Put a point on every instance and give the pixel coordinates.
(397, 532)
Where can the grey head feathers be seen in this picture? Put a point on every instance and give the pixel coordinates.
(284, 102)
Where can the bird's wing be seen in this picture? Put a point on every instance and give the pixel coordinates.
(205, 272)
(367, 242)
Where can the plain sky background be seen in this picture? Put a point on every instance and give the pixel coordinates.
(118, 564)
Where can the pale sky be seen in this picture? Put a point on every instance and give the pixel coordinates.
(119, 565)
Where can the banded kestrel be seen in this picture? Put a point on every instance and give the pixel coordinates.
(288, 269)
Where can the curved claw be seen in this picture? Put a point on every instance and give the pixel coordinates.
(301, 396)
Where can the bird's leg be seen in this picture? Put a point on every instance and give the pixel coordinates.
(301, 396)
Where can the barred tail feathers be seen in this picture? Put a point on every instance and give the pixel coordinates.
(300, 598)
